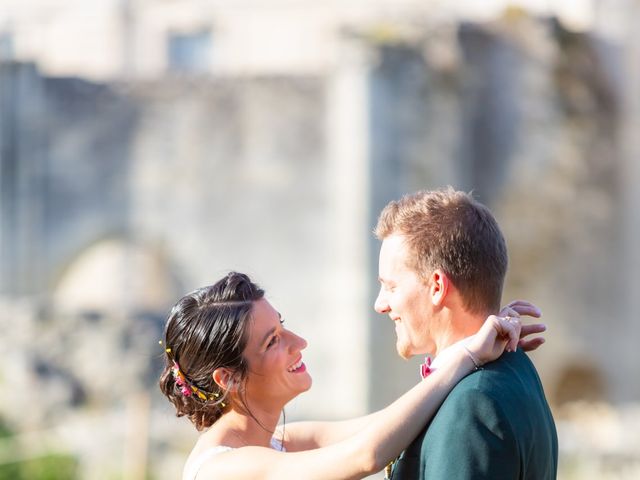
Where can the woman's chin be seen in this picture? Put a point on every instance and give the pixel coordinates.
(309, 384)
(304, 387)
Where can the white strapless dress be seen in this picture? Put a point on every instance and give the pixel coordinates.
(201, 459)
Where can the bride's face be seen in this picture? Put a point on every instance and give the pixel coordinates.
(274, 355)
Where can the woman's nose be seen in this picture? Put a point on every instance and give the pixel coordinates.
(297, 342)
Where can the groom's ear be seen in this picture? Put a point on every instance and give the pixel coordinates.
(438, 287)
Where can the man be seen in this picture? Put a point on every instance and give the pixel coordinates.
(442, 265)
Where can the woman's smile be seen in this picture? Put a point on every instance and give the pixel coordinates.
(297, 367)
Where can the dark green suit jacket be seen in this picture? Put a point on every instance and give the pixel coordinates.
(495, 424)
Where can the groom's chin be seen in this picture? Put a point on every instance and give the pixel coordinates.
(403, 350)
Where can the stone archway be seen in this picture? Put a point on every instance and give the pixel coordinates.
(116, 277)
(579, 382)
(97, 340)
(95, 344)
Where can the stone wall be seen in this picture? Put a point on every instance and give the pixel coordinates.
(115, 199)
(527, 115)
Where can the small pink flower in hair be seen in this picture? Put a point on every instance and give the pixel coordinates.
(177, 374)
(186, 391)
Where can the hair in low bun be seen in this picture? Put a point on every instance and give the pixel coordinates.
(207, 329)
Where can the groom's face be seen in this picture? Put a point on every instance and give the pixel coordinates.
(404, 297)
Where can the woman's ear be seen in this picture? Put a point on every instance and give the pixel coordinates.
(223, 378)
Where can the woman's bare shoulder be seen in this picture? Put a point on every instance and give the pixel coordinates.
(209, 444)
(251, 463)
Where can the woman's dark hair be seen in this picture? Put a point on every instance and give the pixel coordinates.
(208, 329)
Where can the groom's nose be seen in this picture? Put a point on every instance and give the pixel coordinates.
(381, 305)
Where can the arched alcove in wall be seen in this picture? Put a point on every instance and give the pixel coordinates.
(579, 382)
(106, 315)
(116, 276)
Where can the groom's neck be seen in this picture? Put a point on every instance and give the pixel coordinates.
(455, 326)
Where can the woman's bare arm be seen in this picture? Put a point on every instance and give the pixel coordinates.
(359, 455)
(383, 439)
(308, 435)
(301, 436)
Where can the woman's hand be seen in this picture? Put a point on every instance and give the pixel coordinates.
(518, 308)
(522, 307)
(495, 335)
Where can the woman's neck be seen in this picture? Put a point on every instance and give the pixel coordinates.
(254, 429)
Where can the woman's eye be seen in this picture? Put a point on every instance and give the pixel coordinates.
(272, 342)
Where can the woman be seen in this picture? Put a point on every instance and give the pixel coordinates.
(232, 366)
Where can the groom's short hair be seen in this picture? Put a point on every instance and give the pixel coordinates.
(450, 230)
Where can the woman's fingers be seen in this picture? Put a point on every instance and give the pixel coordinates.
(532, 328)
(500, 333)
(522, 307)
(508, 312)
(529, 345)
(509, 330)
(519, 308)
(514, 333)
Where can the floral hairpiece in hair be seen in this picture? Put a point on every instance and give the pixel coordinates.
(181, 381)
(185, 387)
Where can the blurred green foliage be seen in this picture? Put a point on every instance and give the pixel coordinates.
(48, 467)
